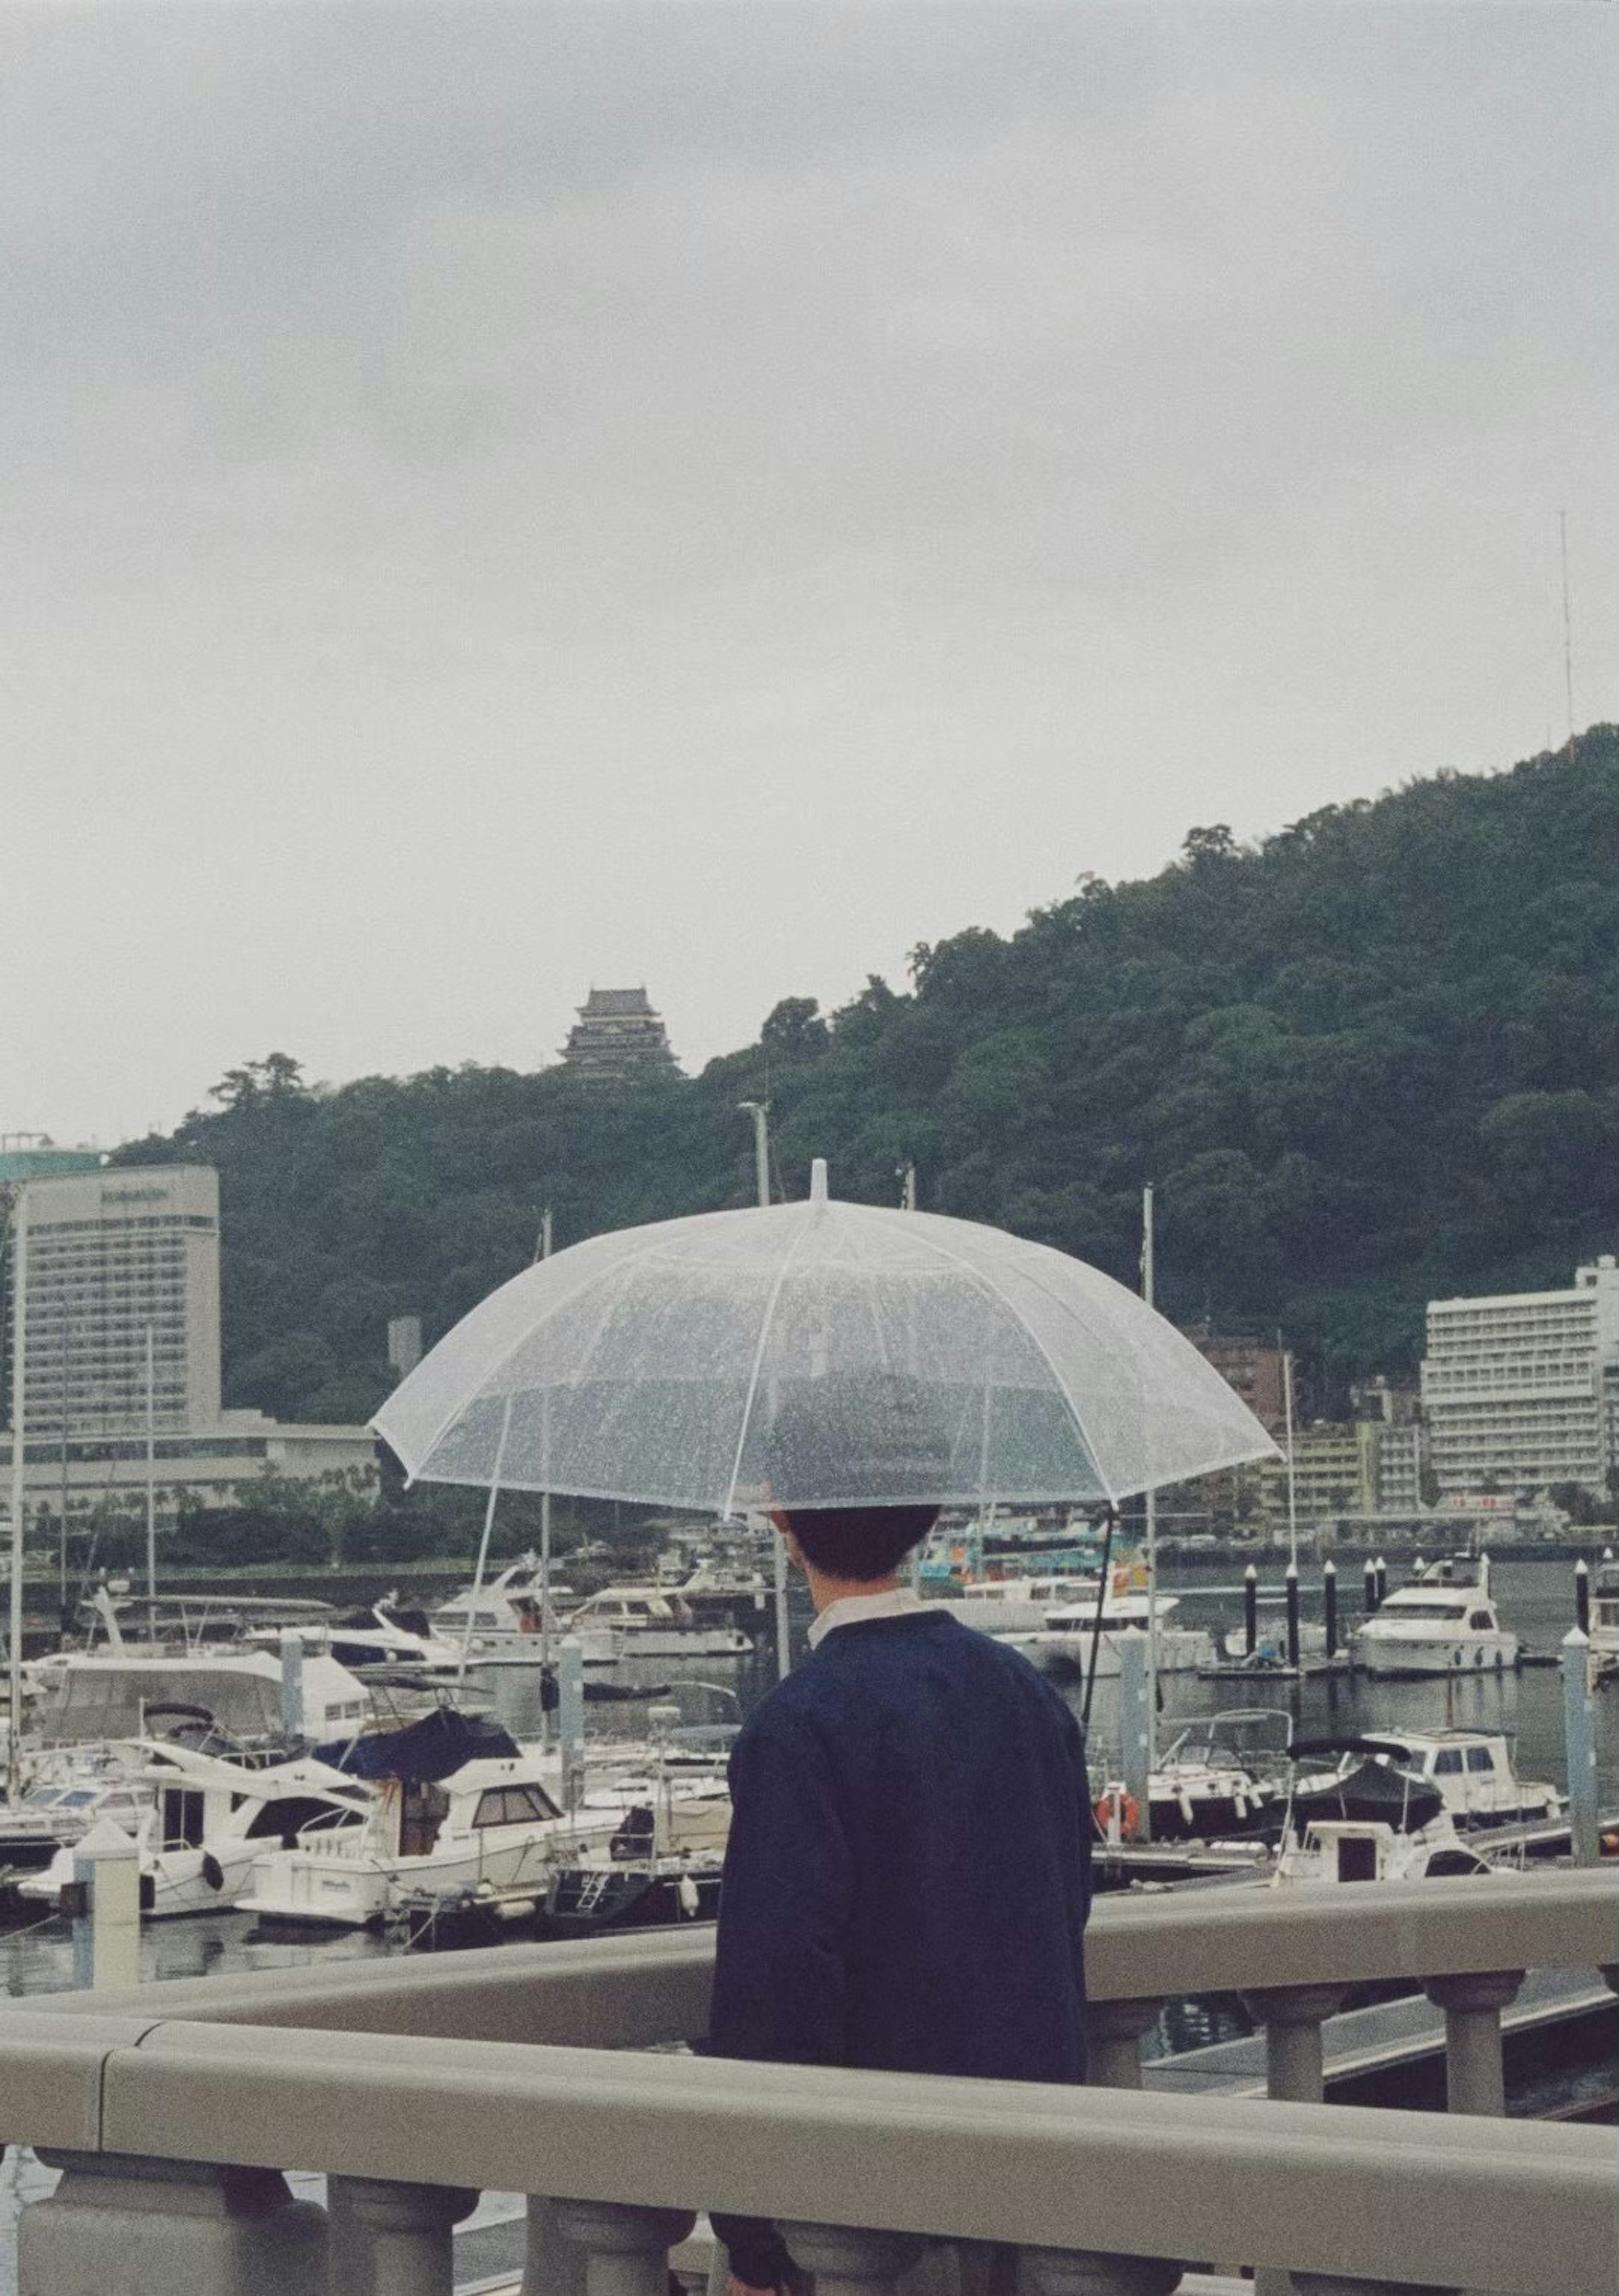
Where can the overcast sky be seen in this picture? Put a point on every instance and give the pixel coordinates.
(500, 498)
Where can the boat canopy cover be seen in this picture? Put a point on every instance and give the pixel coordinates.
(1375, 1791)
(442, 1743)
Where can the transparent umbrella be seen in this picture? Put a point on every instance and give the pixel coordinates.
(829, 1354)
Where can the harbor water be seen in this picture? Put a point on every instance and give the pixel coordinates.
(1534, 1597)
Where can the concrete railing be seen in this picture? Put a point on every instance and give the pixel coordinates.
(412, 2085)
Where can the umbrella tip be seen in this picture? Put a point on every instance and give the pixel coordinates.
(818, 1180)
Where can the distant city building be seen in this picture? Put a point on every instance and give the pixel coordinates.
(1515, 1388)
(1335, 1472)
(109, 1255)
(1253, 1369)
(618, 1034)
(112, 1255)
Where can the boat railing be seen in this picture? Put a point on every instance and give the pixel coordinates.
(174, 2111)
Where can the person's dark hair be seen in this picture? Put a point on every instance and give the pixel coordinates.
(860, 1542)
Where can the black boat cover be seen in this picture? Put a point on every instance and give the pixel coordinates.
(426, 1751)
(1372, 1791)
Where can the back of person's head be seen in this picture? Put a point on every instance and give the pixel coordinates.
(859, 1465)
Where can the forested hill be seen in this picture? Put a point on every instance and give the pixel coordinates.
(1366, 1061)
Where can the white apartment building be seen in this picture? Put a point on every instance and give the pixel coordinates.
(108, 1256)
(1513, 1386)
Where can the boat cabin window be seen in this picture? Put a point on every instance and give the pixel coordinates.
(1480, 1618)
(182, 1825)
(1447, 1763)
(1402, 1609)
(513, 1806)
(1480, 1757)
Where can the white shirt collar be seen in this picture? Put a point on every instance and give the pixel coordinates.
(894, 1602)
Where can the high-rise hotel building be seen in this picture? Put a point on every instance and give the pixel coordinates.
(1514, 1388)
(110, 1255)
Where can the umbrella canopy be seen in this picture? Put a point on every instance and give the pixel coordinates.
(828, 1354)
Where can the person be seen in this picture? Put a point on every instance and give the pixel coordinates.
(907, 1876)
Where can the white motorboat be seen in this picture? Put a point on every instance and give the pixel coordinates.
(1471, 1770)
(1011, 1606)
(653, 1622)
(58, 1811)
(448, 1818)
(1068, 1633)
(124, 1692)
(1371, 1849)
(368, 1639)
(1444, 1623)
(507, 1618)
(205, 1823)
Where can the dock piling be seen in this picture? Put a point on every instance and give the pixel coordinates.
(1582, 1595)
(1329, 1600)
(1580, 1742)
(1292, 1586)
(1250, 1610)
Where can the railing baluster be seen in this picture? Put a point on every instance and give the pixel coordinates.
(551, 2265)
(1329, 2284)
(168, 2228)
(1293, 2016)
(1088, 2272)
(626, 2249)
(389, 2239)
(1475, 2078)
(1114, 2031)
(846, 2261)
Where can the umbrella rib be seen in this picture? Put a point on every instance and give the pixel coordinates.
(758, 1359)
(976, 1275)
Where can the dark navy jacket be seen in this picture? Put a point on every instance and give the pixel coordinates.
(908, 1872)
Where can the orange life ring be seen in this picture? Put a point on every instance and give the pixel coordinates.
(1128, 1813)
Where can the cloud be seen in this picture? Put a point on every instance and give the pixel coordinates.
(502, 496)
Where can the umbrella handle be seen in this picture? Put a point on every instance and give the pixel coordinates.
(1096, 1624)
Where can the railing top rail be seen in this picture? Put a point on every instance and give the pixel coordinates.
(622, 1991)
(1488, 2205)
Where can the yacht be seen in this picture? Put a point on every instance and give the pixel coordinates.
(124, 1692)
(57, 1812)
(507, 1619)
(1010, 1606)
(1471, 1770)
(1443, 1623)
(649, 1622)
(205, 1821)
(1371, 1849)
(1070, 1631)
(459, 1806)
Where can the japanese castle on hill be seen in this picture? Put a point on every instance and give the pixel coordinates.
(618, 1034)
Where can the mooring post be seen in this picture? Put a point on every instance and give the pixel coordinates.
(107, 1916)
(1132, 1696)
(1582, 1595)
(1370, 1587)
(1292, 1587)
(1382, 1572)
(570, 1718)
(1250, 1610)
(1579, 1743)
(1330, 1599)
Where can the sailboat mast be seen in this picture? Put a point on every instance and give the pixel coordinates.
(1152, 1521)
